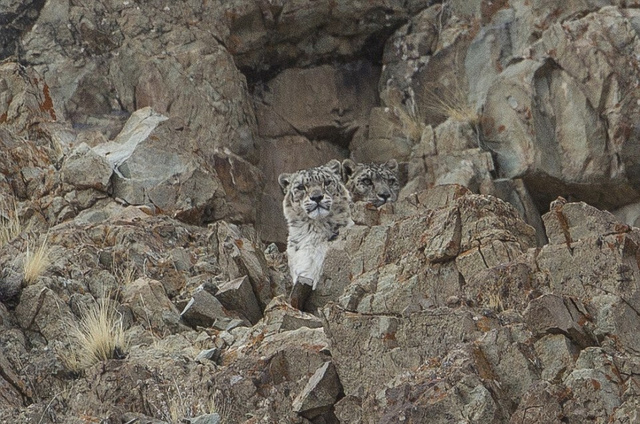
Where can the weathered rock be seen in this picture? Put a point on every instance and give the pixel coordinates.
(612, 267)
(281, 316)
(572, 222)
(203, 309)
(263, 37)
(260, 368)
(150, 305)
(506, 349)
(388, 137)
(595, 386)
(241, 254)
(615, 321)
(536, 94)
(320, 393)
(541, 404)
(552, 314)
(557, 354)
(515, 192)
(127, 63)
(209, 355)
(41, 310)
(26, 98)
(237, 295)
(12, 388)
(318, 103)
(443, 236)
(84, 168)
(154, 164)
(205, 419)
(371, 349)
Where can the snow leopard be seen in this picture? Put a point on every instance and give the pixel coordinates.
(316, 206)
(370, 182)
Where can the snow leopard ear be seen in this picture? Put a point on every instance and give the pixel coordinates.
(392, 165)
(335, 166)
(348, 169)
(284, 180)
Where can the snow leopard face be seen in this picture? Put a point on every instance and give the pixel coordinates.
(315, 193)
(370, 182)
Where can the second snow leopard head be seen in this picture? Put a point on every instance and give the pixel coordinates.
(371, 182)
(315, 193)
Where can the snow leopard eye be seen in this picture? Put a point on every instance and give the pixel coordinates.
(328, 183)
(366, 181)
(392, 181)
(300, 187)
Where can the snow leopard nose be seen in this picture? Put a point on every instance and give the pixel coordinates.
(384, 196)
(317, 197)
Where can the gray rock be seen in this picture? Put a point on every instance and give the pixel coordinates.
(149, 303)
(281, 316)
(84, 168)
(205, 419)
(153, 167)
(41, 310)
(370, 349)
(237, 295)
(611, 268)
(572, 222)
(320, 393)
(203, 309)
(552, 314)
(515, 192)
(240, 254)
(443, 235)
(541, 404)
(261, 38)
(557, 355)
(27, 99)
(506, 349)
(595, 386)
(616, 322)
(333, 110)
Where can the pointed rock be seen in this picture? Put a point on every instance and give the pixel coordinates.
(320, 393)
(237, 295)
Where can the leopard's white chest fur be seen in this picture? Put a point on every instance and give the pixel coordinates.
(306, 250)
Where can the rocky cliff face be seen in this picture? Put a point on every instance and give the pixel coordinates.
(141, 143)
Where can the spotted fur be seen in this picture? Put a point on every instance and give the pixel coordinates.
(370, 182)
(316, 206)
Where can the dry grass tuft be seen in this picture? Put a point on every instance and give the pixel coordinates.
(99, 334)
(10, 226)
(174, 405)
(412, 125)
(451, 102)
(36, 261)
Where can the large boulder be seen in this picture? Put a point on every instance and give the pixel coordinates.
(554, 120)
(104, 61)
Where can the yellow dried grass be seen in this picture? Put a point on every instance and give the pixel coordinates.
(99, 334)
(37, 260)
